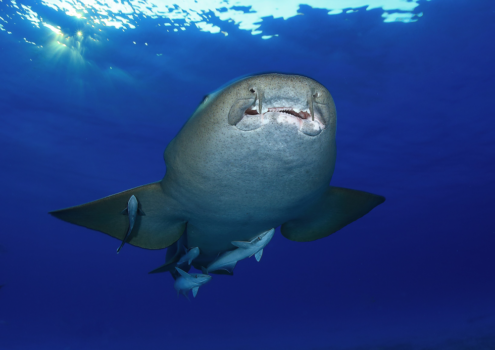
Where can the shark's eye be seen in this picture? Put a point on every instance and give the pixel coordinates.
(252, 90)
(316, 94)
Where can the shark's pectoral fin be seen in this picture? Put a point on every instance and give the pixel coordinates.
(258, 255)
(337, 208)
(195, 291)
(159, 228)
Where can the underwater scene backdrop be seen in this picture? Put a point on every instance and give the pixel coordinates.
(91, 93)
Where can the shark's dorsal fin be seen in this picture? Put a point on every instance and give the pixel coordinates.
(195, 291)
(160, 228)
(242, 244)
(258, 255)
(337, 208)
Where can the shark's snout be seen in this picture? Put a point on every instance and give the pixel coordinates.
(283, 99)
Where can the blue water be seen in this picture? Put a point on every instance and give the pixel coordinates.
(416, 111)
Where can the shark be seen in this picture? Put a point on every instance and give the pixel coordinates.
(187, 282)
(256, 154)
(244, 250)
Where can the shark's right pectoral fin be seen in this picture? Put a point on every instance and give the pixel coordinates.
(159, 228)
(337, 208)
(195, 291)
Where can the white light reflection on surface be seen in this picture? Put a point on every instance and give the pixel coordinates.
(246, 14)
(174, 16)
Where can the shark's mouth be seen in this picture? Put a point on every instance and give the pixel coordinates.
(308, 123)
(285, 110)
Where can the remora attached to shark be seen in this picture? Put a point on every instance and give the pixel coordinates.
(192, 254)
(257, 154)
(244, 250)
(132, 212)
(186, 282)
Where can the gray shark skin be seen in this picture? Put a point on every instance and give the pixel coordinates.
(257, 154)
(244, 250)
(192, 254)
(187, 282)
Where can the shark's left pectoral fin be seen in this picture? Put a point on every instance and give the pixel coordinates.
(258, 255)
(159, 228)
(337, 208)
(195, 291)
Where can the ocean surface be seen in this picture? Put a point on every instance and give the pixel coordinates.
(91, 93)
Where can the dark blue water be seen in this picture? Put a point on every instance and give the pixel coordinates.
(416, 111)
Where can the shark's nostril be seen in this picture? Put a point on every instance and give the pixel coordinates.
(251, 111)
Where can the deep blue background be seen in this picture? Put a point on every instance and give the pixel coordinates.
(416, 111)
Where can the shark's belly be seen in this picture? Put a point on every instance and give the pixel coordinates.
(235, 189)
(242, 212)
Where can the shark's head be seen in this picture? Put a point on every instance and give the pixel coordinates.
(253, 102)
(269, 133)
